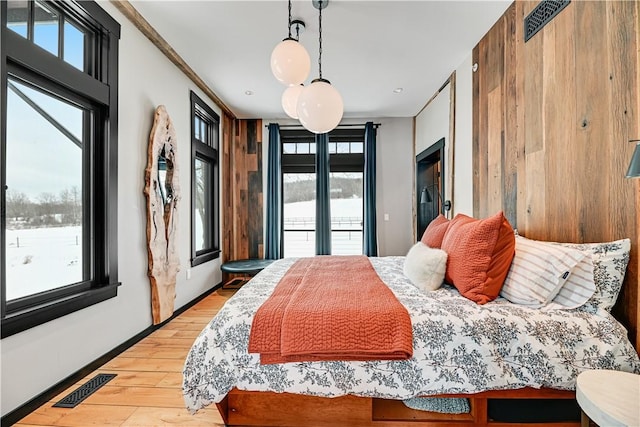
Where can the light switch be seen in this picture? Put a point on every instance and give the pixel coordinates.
(386, 217)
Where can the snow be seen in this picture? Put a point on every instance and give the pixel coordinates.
(40, 259)
(339, 208)
(345, 214)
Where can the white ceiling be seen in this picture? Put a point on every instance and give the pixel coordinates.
(369, 48)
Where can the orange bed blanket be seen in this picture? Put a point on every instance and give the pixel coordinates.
(331, 308)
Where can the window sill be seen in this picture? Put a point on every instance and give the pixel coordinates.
(26, 319)
(202, 258)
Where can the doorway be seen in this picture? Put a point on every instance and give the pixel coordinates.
(430, 186)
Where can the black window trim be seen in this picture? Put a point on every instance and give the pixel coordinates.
(23, 58)
(41, 84)
(306, 163)
(208, 153)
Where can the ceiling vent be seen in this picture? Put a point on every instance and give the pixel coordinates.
(544, 12)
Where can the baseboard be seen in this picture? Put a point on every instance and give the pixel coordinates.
(33, 404)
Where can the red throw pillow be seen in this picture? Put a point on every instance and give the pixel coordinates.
(480, 252)
(435, 232)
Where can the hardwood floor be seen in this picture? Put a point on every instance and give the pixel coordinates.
(147, 389)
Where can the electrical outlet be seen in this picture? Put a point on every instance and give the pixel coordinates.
(188, 273)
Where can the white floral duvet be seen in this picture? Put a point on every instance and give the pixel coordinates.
(459, 347)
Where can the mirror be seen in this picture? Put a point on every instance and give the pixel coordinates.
(163, 194)
(165, 167)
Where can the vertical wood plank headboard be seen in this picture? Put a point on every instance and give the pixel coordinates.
(552, 121)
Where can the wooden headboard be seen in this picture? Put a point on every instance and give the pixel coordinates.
(552, 121)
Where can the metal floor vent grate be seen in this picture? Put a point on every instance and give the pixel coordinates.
(74, 398)
(541, 14)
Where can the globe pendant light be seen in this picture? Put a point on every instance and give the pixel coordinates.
(320, 105)
(290, 61)
(290, 100)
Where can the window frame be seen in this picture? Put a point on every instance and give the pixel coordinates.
(205, 152)
(95, 88)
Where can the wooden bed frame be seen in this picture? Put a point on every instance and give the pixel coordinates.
(269, 409)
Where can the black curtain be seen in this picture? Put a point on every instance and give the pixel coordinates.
(273, 245)
(370, 244)
(323, 201)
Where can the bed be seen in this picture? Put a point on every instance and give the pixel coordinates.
(496, 350)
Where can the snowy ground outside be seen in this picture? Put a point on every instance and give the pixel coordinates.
(339, 207)
(39, 259)
(345, 214)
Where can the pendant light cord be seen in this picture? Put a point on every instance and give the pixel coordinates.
(320, 41)
(289, 19)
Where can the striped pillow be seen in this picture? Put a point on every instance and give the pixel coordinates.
(579, 287)
(541, 270)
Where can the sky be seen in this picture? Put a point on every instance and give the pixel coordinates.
(40, 158)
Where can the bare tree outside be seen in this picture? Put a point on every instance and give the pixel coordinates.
(48, 209)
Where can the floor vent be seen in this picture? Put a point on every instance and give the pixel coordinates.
(74, 398)
(541, 14)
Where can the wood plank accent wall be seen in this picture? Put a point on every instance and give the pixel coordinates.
(242, 190)
(552, 121)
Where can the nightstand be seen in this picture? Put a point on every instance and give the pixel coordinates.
(609, 398)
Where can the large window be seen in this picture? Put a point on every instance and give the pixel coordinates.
(346, 153)
(205, 229)
(59, 148)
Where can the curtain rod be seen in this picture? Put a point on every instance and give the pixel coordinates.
(375, 125)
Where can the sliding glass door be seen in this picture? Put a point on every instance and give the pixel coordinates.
(346, 152)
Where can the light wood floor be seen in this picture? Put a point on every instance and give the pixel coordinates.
(147, 389)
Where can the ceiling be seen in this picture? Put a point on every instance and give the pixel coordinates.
(369, 48)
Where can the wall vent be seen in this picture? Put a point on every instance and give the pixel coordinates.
(544, 12)
(74, 398)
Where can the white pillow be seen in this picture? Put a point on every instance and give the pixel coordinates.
(541, 270)
(425, 266)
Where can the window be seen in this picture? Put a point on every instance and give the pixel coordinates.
(346, 152)
(59, 151)
(205, 212)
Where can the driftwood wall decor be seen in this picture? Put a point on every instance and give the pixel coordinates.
(162, 192)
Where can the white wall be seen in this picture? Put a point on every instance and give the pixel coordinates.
(394, 178)
(432, 123)
(463, 178)
(39, 358)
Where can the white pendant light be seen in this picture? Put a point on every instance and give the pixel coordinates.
(320, 105)
(290, 61)
(290, 100)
